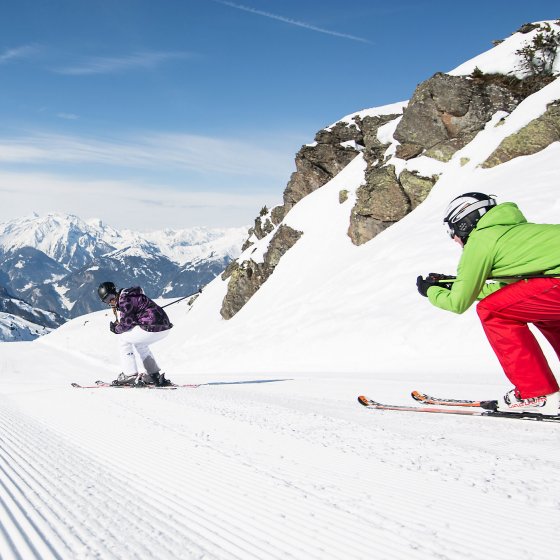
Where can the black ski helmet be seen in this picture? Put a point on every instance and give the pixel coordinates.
(463, 213)
(107, 291)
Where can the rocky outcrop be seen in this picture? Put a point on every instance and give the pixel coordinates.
(379, 203)
(384, 200)
(446, 112)
(263, 226)
(334, 148)
(316, 164)
(247, 277)
(416, 187)
(444, 115)
(533, 138)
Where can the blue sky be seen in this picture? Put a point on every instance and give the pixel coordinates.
(173, 113)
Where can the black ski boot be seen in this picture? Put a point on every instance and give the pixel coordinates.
(159, 380)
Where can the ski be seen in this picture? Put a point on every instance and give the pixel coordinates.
(374, 405)
(427, 399)
(105, 385)
(170, 386)
(109, 386)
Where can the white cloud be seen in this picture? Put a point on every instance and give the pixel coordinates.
(16, 53)
(125, 204)
(68, 116)
(290, 21)
(173, 151)
(108, 65)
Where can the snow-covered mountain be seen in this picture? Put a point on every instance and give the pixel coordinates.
(21, 321)
(56, 261)
(74, 242)
(13, 328)
(271, 457)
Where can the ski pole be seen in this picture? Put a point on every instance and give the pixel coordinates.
(199, 291)
(452, 279)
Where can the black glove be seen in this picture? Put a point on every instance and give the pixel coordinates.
(423, 284)
(112, 326)
(433, 279)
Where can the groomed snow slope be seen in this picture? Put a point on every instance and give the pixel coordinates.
(272, 457)
(260, 467)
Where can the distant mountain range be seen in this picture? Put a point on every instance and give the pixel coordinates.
(50, 266)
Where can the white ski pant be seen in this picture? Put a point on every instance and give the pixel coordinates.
(138, 340)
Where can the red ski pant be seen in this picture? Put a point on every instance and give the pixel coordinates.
(505, 315)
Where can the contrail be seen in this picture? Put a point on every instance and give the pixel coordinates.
(290, 21)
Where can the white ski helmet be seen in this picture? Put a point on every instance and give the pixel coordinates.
(463, 213)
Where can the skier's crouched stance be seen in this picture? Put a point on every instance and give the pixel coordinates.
(140, 322)
(498, 242)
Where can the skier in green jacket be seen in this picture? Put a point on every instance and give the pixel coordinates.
(501, 243)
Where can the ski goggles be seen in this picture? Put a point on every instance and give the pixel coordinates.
(109, 298)
(450, 230)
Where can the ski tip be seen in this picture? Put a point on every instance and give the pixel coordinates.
(363, 400)
(417, 396)
(74, 385)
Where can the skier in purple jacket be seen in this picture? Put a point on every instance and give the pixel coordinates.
(140, 322)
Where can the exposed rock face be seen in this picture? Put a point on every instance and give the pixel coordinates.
(408, 151)
(533, 138)
(416, 187)
(385, 199)
(382, 201)
(444, 115)
(263, 226)
(316, 164)
(246, 278)
(446, 112)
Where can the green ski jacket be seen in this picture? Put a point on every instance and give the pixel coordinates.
(503, 243)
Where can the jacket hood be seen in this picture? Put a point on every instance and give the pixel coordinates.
(505, 214)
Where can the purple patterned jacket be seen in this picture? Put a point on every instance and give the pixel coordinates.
(137, 309)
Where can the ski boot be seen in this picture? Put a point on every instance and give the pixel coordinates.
(159, 380)
(512, 402)
(134, 380)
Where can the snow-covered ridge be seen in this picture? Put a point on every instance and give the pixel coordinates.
(502, 59)
(392, 108)
(65, 237)
(16, 329)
